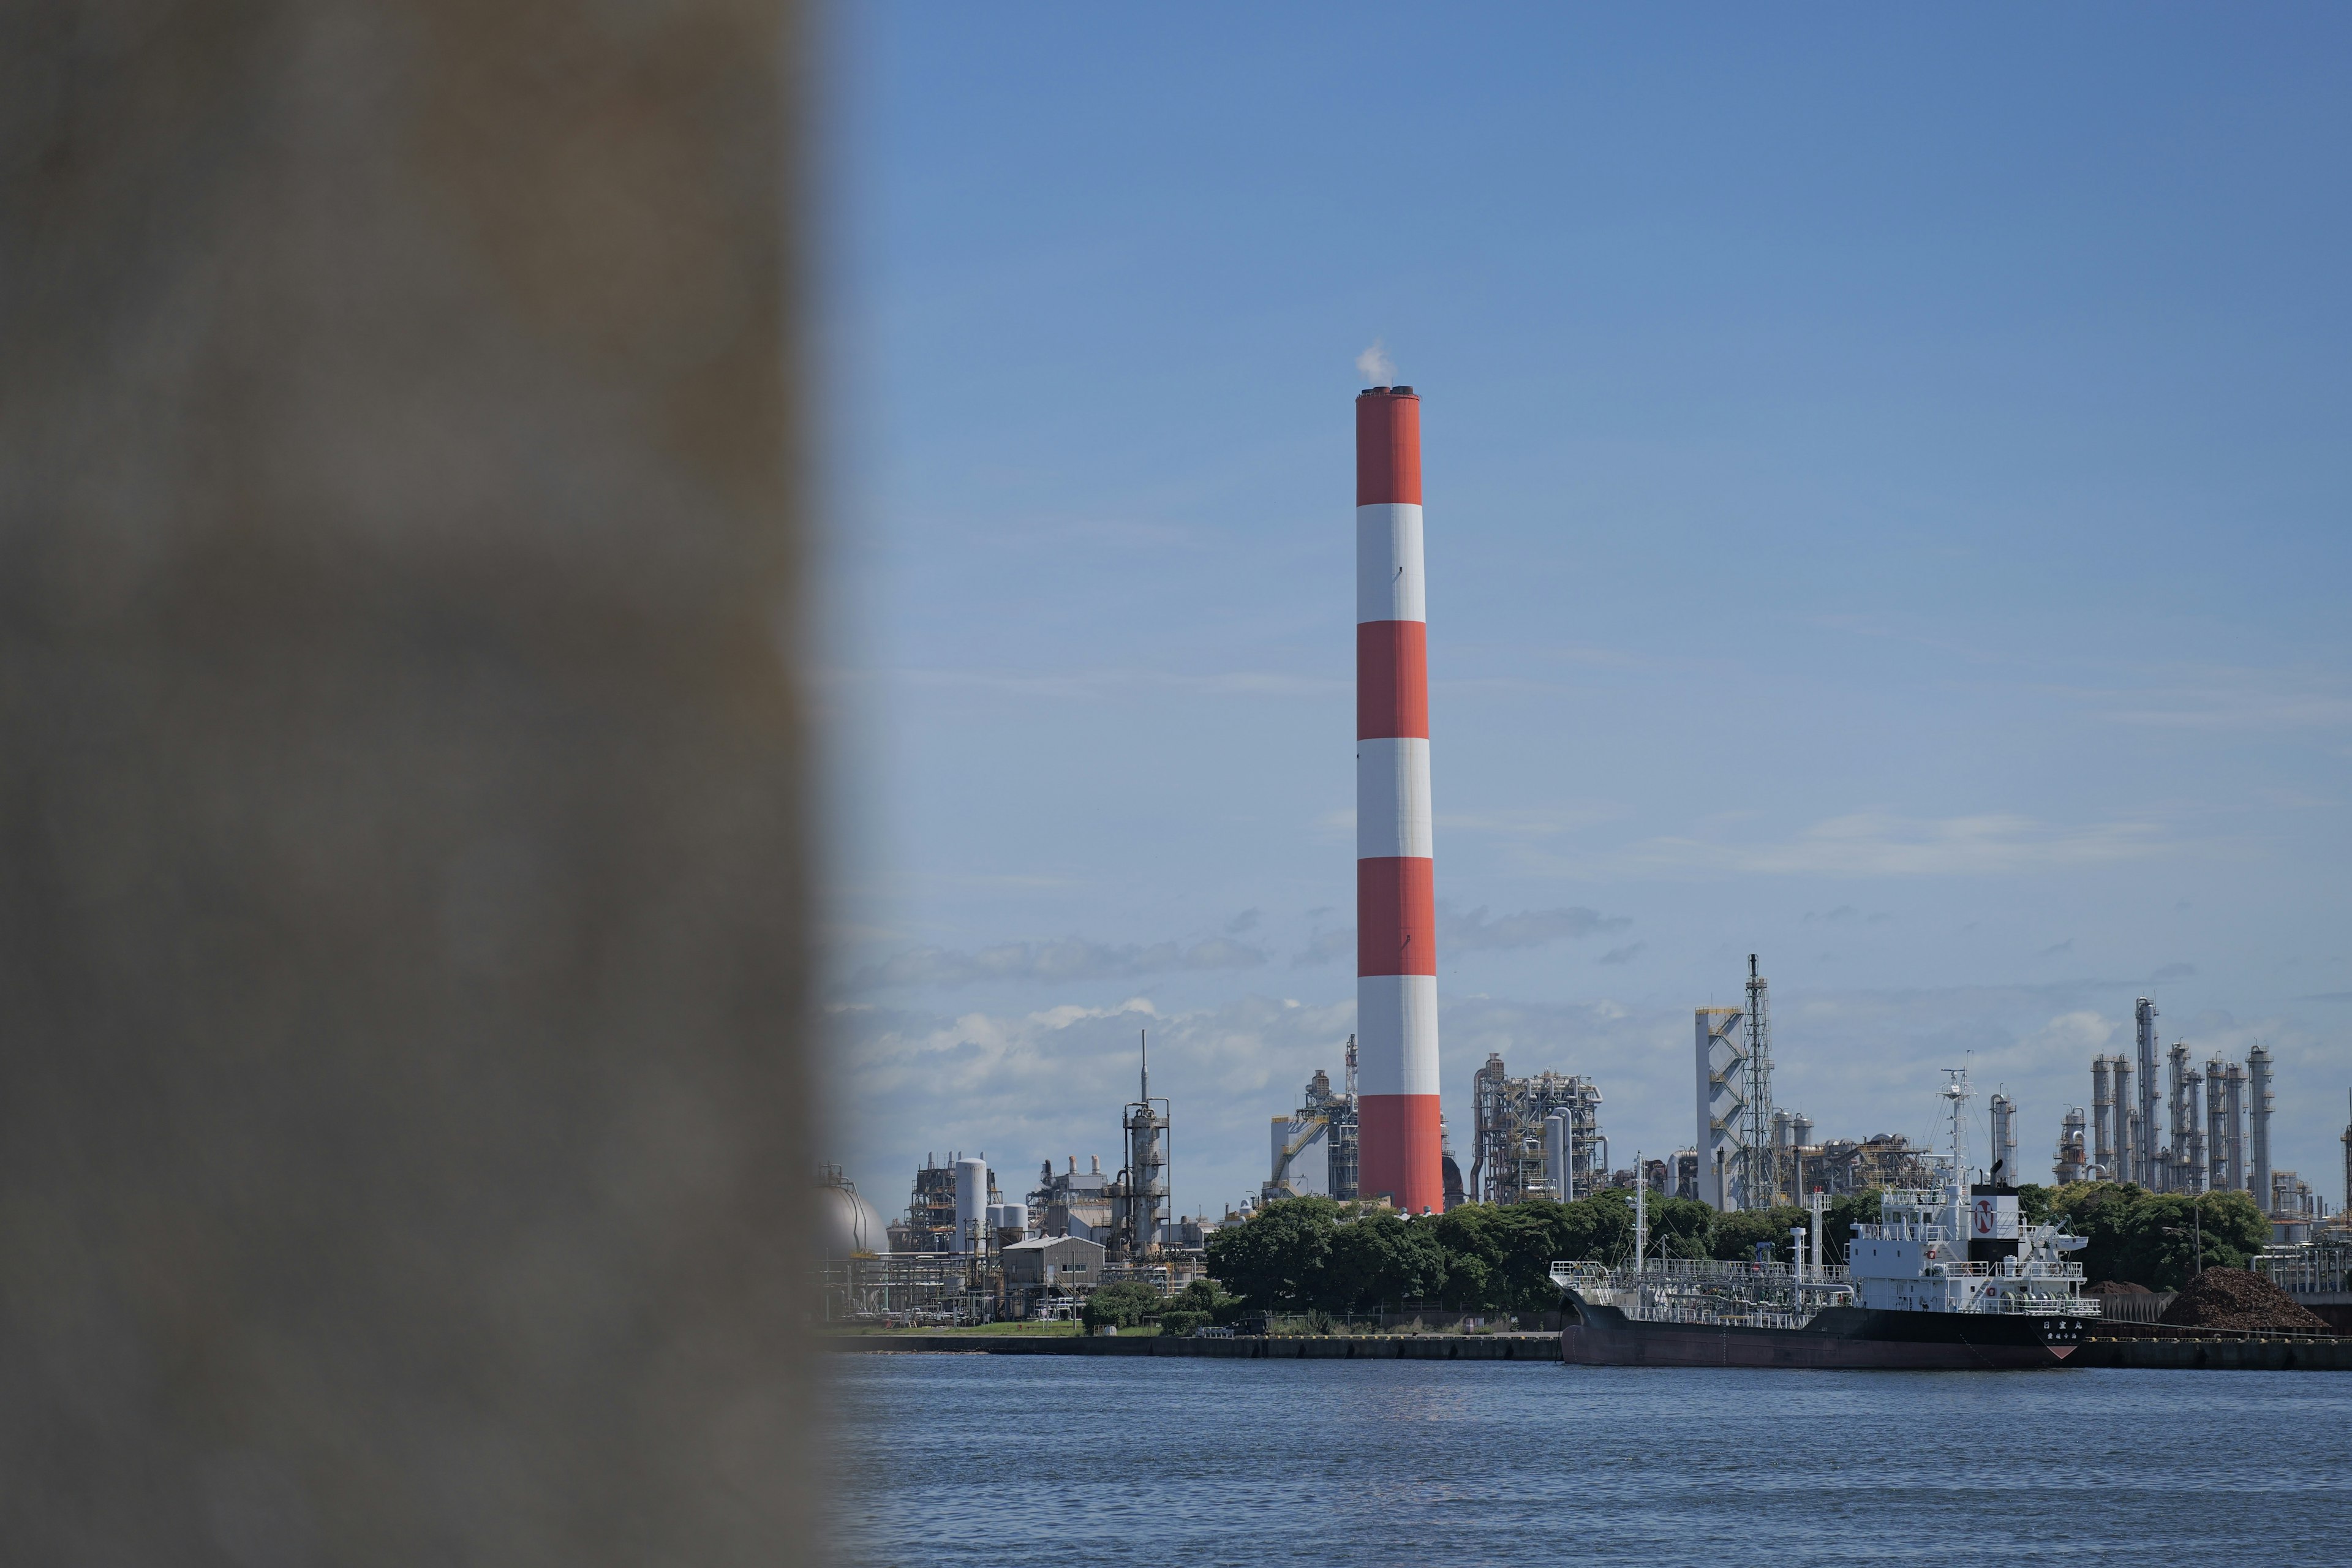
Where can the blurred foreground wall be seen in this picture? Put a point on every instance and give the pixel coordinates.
(403, 964)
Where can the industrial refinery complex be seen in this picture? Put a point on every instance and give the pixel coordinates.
(966, 1251)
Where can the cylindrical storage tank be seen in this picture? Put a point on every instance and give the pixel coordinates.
(971, 1204)
(1556, 1156)
(1013, 1217)
(1397, 1138)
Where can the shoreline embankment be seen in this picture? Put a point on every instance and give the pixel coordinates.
(2149, 1354)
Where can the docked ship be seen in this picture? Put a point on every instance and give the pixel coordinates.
(1954, 1278)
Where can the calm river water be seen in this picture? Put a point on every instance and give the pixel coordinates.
(1019, 1460)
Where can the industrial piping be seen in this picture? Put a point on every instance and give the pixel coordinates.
(1396, 917)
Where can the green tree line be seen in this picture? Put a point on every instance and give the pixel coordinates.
(2151, 1239)
(1302, 1255)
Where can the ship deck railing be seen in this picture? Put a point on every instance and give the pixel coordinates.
(2006, 1268)
(1654, 1270)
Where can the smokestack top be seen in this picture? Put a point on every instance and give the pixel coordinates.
(1387, 447)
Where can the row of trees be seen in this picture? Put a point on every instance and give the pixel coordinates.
(1312, 1253)
(2151, 1239)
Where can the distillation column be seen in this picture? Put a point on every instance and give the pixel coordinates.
(2258, 1120)
(2004, 1113)
(2127, 1127)
(2233, 1112)
(2103, 1121)
(2217, 1126)
(1396, 917)
(2144, 1157)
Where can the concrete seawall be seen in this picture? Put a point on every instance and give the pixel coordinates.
(1333, 1347)
(2146, 1354)
(2217, 1355)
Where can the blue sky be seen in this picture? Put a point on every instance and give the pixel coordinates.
(1887, 483)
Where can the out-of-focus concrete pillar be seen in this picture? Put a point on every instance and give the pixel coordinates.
(404, 877)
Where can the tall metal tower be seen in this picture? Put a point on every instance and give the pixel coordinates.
(2258, 1124)
(1401, 1140)
(2146, 1170)
(2216, 1125)
(2186, 1174)
(1758, 1154)
(1139, 1198)
(2103, 1122)
(1722, 1078)
(2348, 1167)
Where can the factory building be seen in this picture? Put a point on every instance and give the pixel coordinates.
(1401, 1145)
(1681, 1173)
(1843, 1166)
(945, 1209)
(1315, 1148)
(1536, 1137)
(1073, 1201)
(2215, 1135)
(1052, 1263)
(1794, 1150)
(2074, 1150)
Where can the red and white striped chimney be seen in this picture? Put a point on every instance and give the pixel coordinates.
(1396, 948)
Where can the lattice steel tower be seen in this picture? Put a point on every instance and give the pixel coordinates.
(1757, 1157)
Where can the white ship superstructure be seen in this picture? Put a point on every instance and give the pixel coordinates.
(1915, 1259)
(1952, 1276)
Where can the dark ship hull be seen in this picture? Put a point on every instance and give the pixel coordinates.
(1838, 1337)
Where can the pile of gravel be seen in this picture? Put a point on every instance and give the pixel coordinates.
(2239, 1299)
(2117, 1288)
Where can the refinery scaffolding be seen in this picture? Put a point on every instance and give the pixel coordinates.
(1722, 1084)
(2218, 1120)
(1536, 1137)
(1757, 1186)
(2185, 1167)
(2074, 1155)
(1140, 1196)
(1314, 1147)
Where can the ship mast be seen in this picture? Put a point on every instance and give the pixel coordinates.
(1956, 1094)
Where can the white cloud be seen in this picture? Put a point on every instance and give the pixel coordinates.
(1053, 961)
(1101, 685)
(1880, 844)
(2237, 699)
(1537, 822)
(1528, 928)
(1028, 1087)
(1478, 931)
(1326, 945)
